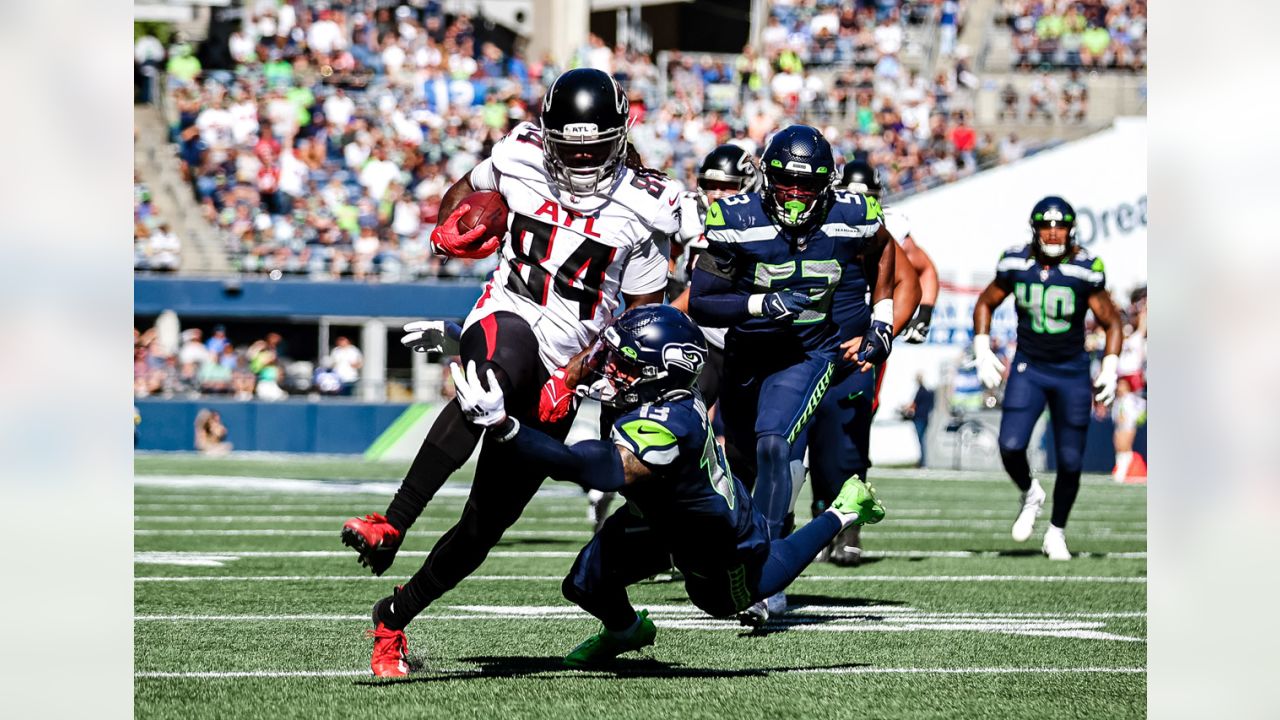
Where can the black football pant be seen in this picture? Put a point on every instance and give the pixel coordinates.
(503, 484)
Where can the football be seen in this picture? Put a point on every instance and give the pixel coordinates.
(488, 209)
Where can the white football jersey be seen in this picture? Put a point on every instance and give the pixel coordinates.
(898, 225)
(565, 258)
(693, 235)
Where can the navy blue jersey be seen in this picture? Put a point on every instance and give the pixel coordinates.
(1051, 301)
(692, 501)
(745, 244)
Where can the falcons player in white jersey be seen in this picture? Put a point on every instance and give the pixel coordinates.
(859, 176)
(585, 224)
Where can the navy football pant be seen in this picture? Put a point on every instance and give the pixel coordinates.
(1067, 391)
(769, 411)
(627, 550)
(840, 434)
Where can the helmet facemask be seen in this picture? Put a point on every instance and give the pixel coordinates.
(794, 199)
(614, 377)
(1053, 218)
(582, 160)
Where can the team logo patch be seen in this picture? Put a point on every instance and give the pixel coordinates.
(581, 129)
(683, 355)
(1053, 215)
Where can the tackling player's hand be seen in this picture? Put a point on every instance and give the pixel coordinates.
(438, 336)
(476, 243)
(785, 304)
(1106, 381)
(482, 407)
(557, 399)
(990, 369)
(918, 329)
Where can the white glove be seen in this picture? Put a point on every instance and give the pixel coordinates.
(990, 369)
(482, 407)
(1105, 383)
(440, 336)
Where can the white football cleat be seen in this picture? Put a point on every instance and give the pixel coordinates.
(777, 604)
(1032, 503)
(1055, 544)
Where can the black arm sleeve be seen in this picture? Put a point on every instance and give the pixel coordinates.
(713, 301)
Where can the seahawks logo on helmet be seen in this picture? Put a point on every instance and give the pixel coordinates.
(683, 355)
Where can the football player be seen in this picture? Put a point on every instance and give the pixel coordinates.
(860, 176)
(683, 502)
(581, 229)
(774, 259)
(727, 170)
(1055, 282)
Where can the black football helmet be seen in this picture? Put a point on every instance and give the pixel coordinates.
(1053, 211)
(859, 176)
(799, 171)
(729, 168)
(584, 131)
(650, 353)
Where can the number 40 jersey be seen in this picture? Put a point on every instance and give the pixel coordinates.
(1051, 301)
(568, 257)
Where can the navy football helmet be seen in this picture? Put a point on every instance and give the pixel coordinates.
(1053, 211)
(859, 176)
(584, 130)
(650, 353)
(799, 171)
(728, 169)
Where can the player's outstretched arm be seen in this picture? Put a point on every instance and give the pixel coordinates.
(908, 288)
(924, 267)
(593, 464)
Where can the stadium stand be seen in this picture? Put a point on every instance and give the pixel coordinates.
(324, 153)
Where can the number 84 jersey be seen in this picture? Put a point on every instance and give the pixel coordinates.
(566, 258)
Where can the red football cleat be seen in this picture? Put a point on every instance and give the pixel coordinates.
(390, 652)
(375, 539)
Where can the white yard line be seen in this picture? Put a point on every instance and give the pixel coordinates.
(558, 578)
(250, 674)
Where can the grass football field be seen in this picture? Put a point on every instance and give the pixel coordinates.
(247, 605)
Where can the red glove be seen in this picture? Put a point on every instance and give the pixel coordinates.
(447, 241)
(557, 399)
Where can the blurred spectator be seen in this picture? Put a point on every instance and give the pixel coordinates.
(211, 433)
(326, 380)
(1075, 98)
(1008, 103)
(218, 340)
(1097, 34)
(346, 360)
(918, 411)
(1128, 411)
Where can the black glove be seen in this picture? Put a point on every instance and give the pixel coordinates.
(918, 328)
(783, 304)
(877, 344)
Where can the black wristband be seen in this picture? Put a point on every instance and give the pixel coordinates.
(924, 314)
(505, 430)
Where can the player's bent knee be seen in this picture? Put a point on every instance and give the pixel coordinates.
(773, 449)
(1010, 445)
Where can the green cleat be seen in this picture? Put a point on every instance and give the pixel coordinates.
(859, 499)
(603, 646)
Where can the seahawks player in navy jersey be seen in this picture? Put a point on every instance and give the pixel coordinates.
(773, 262)
(1055, 282)
(683, 503)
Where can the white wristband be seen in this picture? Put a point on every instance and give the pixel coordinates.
(981, 341)
(883, 311)
(755, 305)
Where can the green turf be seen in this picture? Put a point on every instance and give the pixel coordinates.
(846, 652)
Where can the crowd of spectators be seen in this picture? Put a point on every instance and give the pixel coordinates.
(197, 365)
(325, 151)
(155, 246)
(1093, 34)
(1047, 99)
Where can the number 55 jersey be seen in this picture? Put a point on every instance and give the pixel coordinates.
(567, 257)
(1051, 301)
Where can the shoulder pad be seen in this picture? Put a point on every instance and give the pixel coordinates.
(647, 438)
